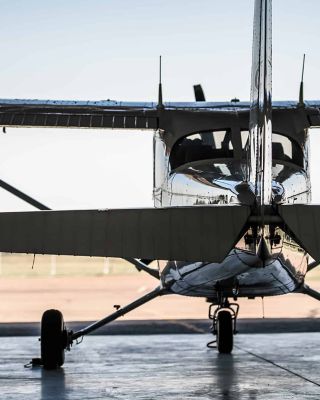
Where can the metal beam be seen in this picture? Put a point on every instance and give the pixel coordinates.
(141, 266)
(310, 292)
(122, 311)
(312, 265)
(16, 192)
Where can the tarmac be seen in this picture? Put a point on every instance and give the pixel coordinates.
(172, 326)
(167, 366)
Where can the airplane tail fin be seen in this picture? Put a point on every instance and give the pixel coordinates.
(260, 126)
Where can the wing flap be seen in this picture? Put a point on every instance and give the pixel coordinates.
(79, 119)
(183, 233)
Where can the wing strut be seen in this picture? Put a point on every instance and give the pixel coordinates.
(141, 266)
(310, 292)
(312, 265)
(159, 291)
(16, 192)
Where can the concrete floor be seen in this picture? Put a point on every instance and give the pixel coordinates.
(263, 366)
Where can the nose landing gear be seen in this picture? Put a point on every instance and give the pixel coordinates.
(224, 324)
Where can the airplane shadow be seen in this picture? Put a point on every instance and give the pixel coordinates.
(225, 375)
(226, 384)
(53, 385)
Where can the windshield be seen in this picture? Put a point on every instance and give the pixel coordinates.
(211, 145)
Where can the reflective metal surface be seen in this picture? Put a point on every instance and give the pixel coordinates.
(247, 270)
(260, 125)
(223, 164)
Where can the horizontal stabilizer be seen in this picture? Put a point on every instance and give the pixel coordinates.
(303, 220)
(182, 233)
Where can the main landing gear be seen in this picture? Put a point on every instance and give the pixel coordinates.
(56, 339)
(224, 324)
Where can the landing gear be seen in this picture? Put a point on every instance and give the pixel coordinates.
(224, 319)
(224, 332)
(54, 339)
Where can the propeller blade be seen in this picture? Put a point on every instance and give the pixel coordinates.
(198, 93)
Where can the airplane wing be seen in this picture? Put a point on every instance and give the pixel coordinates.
(128, 115)
(201, 233)
(303, 220)
(78, 114)
(313, 112)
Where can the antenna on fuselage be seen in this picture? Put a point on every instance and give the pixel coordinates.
(301, 96)
(160, 101)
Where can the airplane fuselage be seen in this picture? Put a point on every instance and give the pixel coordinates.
(207, 168)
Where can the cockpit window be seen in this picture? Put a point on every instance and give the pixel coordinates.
(202, 146)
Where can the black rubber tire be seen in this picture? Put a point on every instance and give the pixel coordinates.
(53, 338)
(224, 332)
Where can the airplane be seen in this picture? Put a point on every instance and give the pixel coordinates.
(232, 215)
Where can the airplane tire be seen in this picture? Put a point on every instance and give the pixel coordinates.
(224, 332)
(53, 339)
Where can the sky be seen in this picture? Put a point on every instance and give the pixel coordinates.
(99, 49)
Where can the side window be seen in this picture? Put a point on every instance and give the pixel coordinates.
(285, 149)
(245, 142)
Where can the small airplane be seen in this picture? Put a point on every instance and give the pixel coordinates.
(231, 192)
